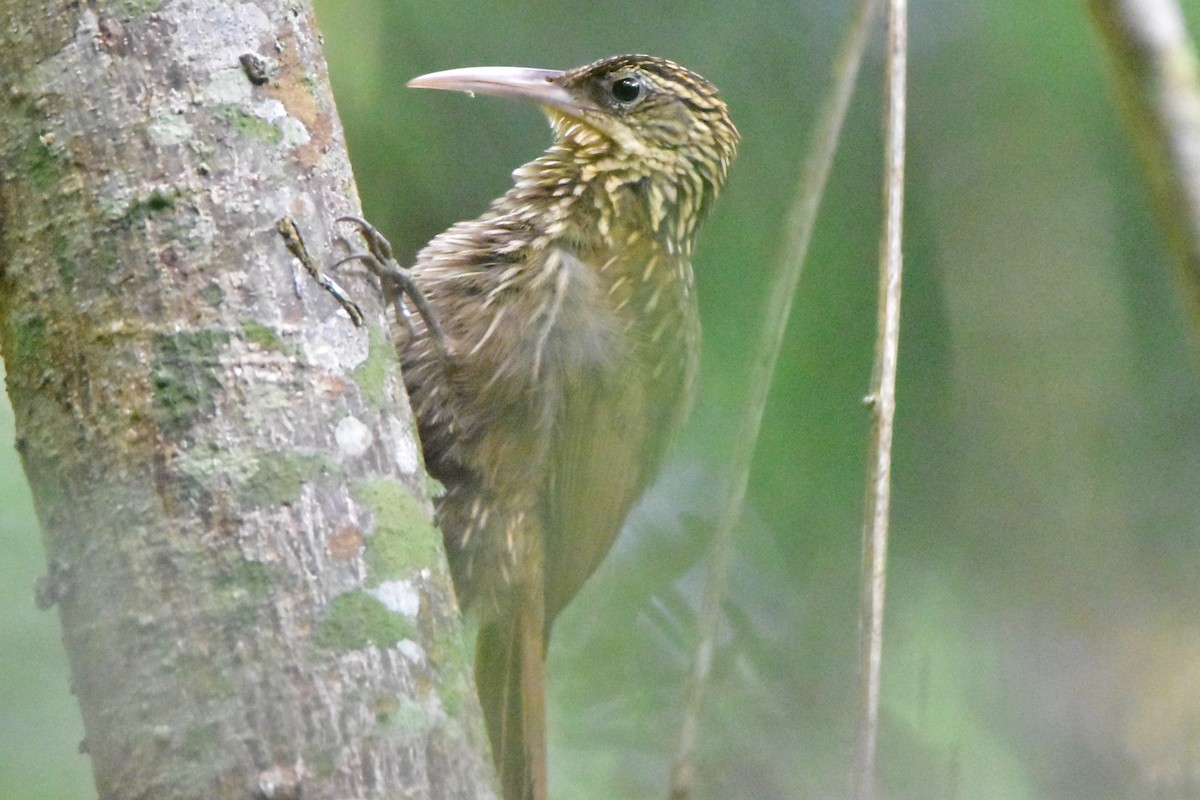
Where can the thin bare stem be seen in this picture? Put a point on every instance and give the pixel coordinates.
(883, 405)
(798, 234)
(1157, 79)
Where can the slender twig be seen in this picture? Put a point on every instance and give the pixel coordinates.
(295, 245)
(799, 226)
(882, 400)
(1157, 78)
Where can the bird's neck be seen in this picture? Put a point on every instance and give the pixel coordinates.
(587, 185)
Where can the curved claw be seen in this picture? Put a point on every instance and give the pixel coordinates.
(397, 281)
(367, 258)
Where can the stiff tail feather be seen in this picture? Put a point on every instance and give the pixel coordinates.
(510, 672)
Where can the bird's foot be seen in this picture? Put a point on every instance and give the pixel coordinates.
(395, 281)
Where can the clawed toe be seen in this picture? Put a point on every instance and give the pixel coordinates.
(396, 282)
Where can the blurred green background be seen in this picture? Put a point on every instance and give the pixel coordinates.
(1043, 631)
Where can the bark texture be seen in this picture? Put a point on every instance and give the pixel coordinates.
(253, 599)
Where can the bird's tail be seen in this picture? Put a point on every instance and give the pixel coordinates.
(510, 672)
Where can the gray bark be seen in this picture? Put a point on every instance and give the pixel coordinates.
(253, 599)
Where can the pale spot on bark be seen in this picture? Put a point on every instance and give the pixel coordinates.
(353, 437)
(399, 597)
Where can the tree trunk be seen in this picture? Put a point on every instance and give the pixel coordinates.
(253, 599)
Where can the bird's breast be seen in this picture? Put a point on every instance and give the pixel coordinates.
(577, 329)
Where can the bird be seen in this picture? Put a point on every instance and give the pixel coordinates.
(564, 358)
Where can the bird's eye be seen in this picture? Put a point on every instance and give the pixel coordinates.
(626, 90)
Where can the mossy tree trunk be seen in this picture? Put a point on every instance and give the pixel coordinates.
(253, 599)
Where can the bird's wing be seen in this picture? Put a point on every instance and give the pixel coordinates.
(619, 411)
(599, 470)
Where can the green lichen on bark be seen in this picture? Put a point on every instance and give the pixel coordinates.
(404, 716)
(239, 594)
(404, 541)
(251, 578)
(385, 708)
(456, 687)
(451, 651)
(64, 258)
(37, 162)
(212, 294)
(258, 334)
(130, 9)
(247, 124)
(105, 256)
(371, 375)
(158, 201)
(195, 671)
(278, 477)
(85, 261)
(433, 487)
(357, 620)
(27, 342)
(203, 743)
(185, 377)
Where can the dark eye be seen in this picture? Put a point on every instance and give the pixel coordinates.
(626, 90)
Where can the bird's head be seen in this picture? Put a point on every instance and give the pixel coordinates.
(627, 113)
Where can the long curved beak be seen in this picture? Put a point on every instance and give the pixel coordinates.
(536, 85)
